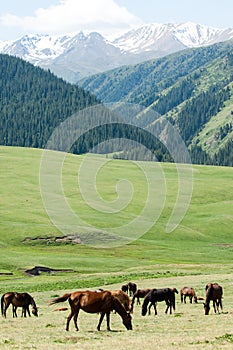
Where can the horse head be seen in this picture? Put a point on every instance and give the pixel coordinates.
(35, 311)
(127, 322)
(144, 309)
(206, 308)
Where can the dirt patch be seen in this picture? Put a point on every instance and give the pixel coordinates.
(37, 270)
(227, 245)
(73, 239)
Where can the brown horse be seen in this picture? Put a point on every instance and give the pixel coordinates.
(124, 299)
(188, 292)
(18, 300)
(155, 295)
(213, 292)
(94, 302)
(140, 293)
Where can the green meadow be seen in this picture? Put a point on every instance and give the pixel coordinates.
(203, 238)
(198, 251)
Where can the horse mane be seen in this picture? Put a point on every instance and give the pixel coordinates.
(146, 300)
(118, 307)
(209, 292)
(33, 303)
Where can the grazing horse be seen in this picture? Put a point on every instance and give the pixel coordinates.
(124, 299)
(94, 302)
(188, 292)
(213, 292)
(140, 293)
(155, 295)
(18, 300)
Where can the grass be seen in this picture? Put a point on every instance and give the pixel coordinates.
(197, 252)
(203, 237)
(187, 327)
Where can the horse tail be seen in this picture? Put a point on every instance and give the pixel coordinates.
(2, 305)
(60, 299)
(173, 301)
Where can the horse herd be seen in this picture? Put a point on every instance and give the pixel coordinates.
(121, 301)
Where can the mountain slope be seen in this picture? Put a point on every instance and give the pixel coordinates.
(34, 102)
(193, 89)
(76, 55)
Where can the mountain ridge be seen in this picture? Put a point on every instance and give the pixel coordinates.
(76, 55)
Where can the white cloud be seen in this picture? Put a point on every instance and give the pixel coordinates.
(104, 16)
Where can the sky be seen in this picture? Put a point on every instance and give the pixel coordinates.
(108, 17)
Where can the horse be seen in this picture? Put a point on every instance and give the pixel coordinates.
(94, 302)
(124, 299)
(18, 300)
(155, 295)
(125, 288)
(188, 292)
(132, 288)
(213, 292)
(140, 293)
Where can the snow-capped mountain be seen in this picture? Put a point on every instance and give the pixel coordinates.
(75, 55)
(153, 36)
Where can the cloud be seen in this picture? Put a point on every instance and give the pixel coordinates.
(104, 16)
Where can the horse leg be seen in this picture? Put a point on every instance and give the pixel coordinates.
(214, 305)
(101, 320)
(185, 299)
(220, 303)
(169, 305)
(68, 319)
(14, 308)
(108, 321)
(25, 310)
(138, 301)
(5, 308)
(75, 319)
(149, 308)
(191, 299)
(152, 304)
(155, 308)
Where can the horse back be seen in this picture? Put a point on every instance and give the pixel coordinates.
(92, 302)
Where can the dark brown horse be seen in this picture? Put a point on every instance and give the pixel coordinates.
(188, 292)
(130, 288)
(18, 300)
(94, 302)
(155, 295)
(140, 293)
(125, 288)
(213, 292)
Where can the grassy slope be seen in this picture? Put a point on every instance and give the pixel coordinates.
(203, 239)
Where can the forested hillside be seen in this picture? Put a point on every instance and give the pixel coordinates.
(193, 89)
(33, 102)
